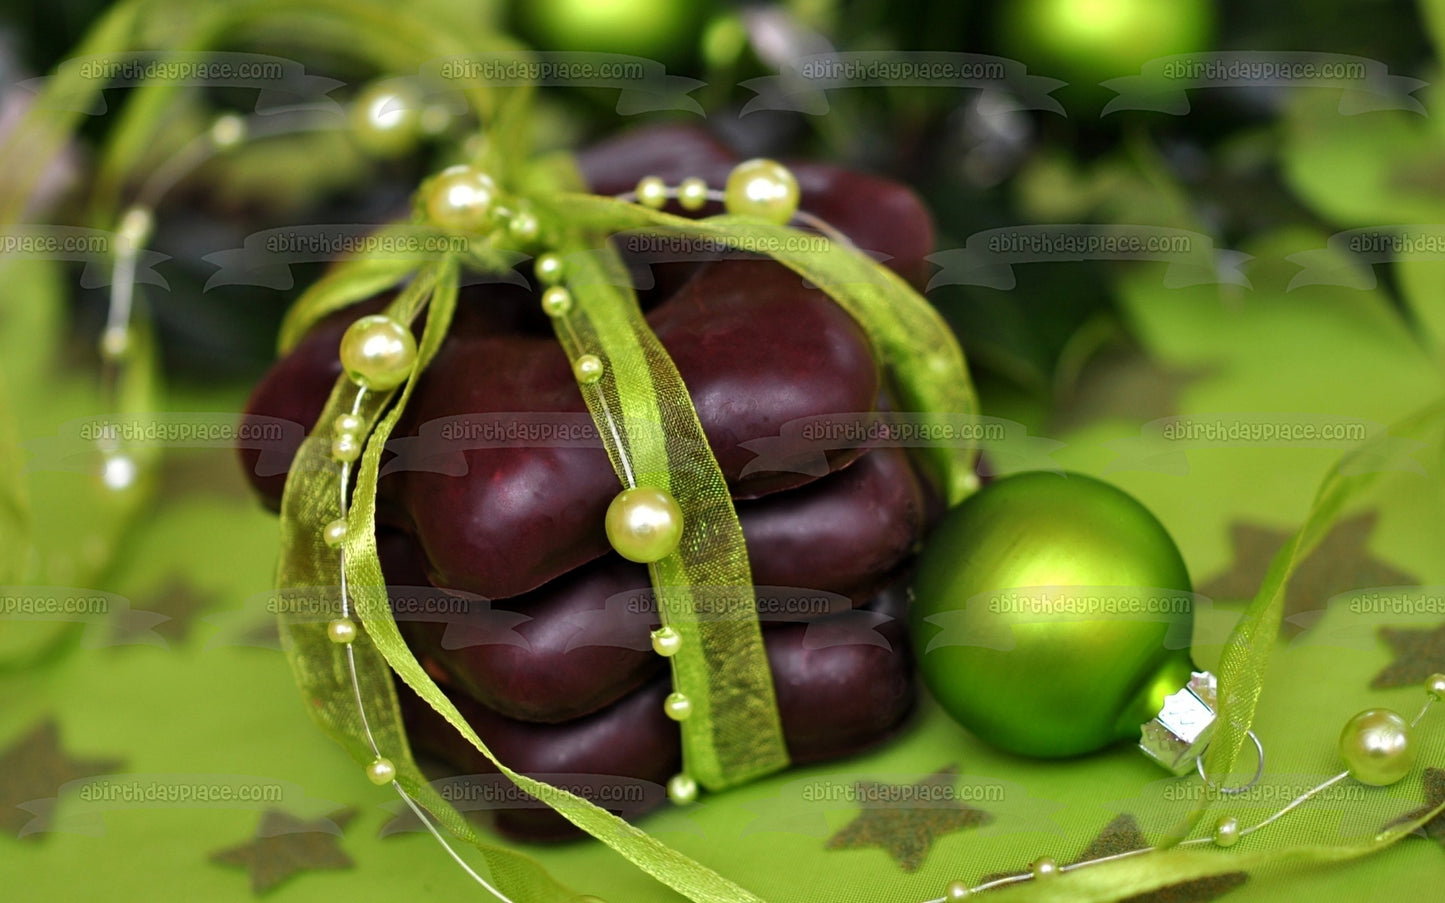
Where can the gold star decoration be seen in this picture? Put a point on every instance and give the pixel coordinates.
(35, 768)
(1341, 562)
(1418, 654)
(179, 600)
(907, 829)
(1434, 781)
(1122, 835)
(285, 846)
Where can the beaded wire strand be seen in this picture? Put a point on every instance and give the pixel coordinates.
(343, 630)
(1226, 833)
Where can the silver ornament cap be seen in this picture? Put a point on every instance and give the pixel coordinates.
(1177, 736)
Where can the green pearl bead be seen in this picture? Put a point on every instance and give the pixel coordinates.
(460, 198)
(347, 423)
(956, 892)
(1435, 686)
(677, 706)
(682, 789)
(341, 631)
(1226, 832)
(385, 120)
(1036, 679)
(666, 641)
(334, 533)
(692, 194)
(346, 447)
(1044, 868)
(652, 192)
(556, 301)
(761, 188)
(587, 369)
(377, 352)
(1377, 747)
(644, 524)
(548, 269)
(524, 227)
(381, 771)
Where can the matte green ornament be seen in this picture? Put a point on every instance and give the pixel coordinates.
(1053, 615)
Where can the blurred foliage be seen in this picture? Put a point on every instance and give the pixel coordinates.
(1247, 161)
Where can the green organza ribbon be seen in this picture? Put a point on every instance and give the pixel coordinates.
(650, 428)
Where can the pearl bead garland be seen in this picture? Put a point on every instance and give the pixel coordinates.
(1377, 748)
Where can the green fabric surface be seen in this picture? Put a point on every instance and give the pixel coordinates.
(202, 704)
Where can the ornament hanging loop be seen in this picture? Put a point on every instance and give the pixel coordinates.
(1231, 791)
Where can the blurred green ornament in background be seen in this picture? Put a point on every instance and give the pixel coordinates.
(1052, 614)
(1093, 40)
(646, 28)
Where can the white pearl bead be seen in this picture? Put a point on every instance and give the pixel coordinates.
(692, 194)
(1377, 747)
(1226, 832)
(652, 192)
(341, 631)
(677, 706)
(557, 301)
(377, 352)
(666, 641)
(461, 198)
(682, 789)
(644, 524)
(381, 771)
(588, 369)
(334, 533)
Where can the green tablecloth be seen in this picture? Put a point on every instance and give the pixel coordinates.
(193, 699)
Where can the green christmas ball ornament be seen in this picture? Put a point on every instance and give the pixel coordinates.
(1052, 616)
(1091, 40)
